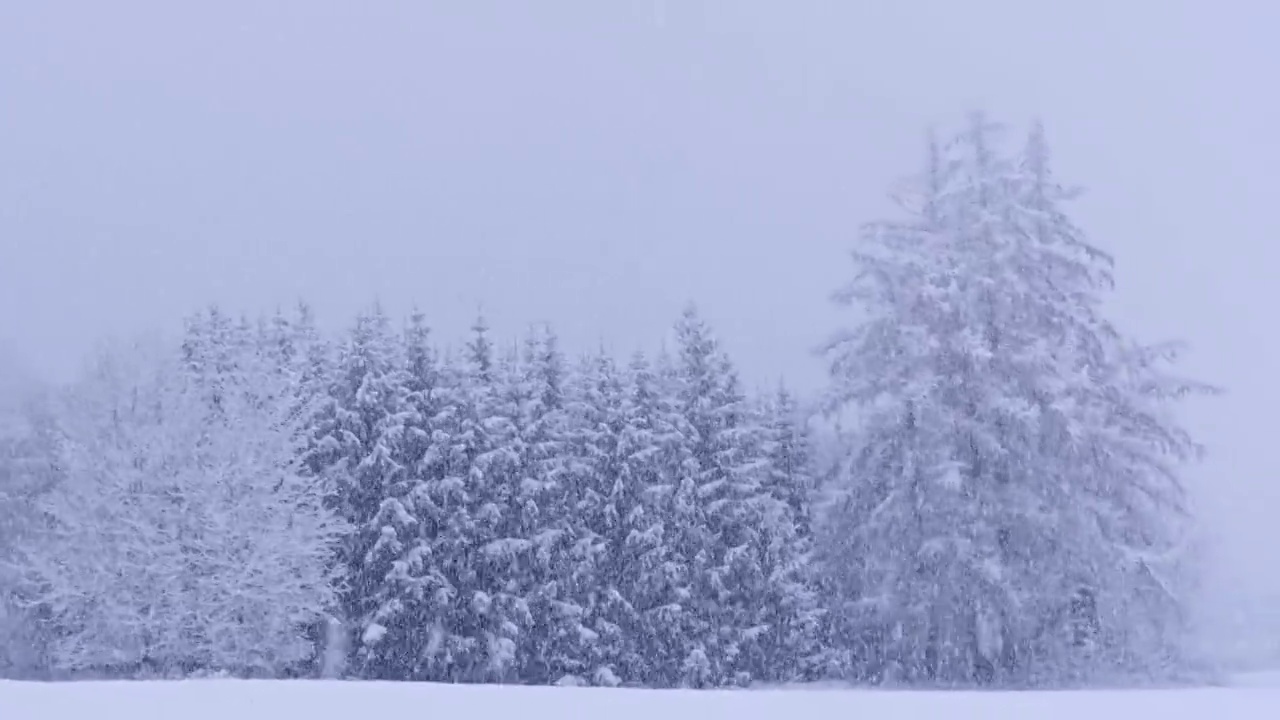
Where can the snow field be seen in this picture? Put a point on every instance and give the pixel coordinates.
(1257, 697)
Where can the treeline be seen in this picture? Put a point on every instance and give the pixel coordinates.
(503, 515)
(264, 501)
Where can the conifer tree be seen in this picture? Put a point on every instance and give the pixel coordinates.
(994, 402)
(653, 585)
(731, 508)
(455, 650)
(492, 446)
(555, 494)
(357, 451)
(790, 649)
(598, 499)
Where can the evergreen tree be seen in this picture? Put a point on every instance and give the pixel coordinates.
(684, 620)
(457, 643)
(1107, 428)
(792, 466)
(498, 614)
(996, 459)
(314, 360)
(358, 453)
(653, 577)
(731, 507)
(408, 592)
(554, 495)
(790, 649)
(600, 497)
(211, 351)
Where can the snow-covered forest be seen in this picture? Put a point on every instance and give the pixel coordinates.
(988, 492)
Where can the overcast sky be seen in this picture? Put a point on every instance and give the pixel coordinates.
(597, 164)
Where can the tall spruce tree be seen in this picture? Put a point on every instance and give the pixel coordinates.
(790, 648)
(732, 512)
(654, 576)
(599, 499)
(1006, 432)
(357, 452)
(501, 552)
(539, 534)
(456, 650)
(1111, 430)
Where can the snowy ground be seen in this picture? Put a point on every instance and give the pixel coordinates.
(1255, 696)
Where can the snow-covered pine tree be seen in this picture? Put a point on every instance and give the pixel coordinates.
(679, 630)
(294, 345)
(653, 578)
(1107, 431)
(914, 537)
(456, 485)
(417, 591)
(357, 452)
(506, 513)
(731, 508)
(497, 614)
(682, 622)
(793, 470)
(600, 563)
(313, 355)
(277, 340)
(406, 593)
(553, 495)
(211, 352)
(791, 649)
(754, 530)
(971, 519)
(282, 345)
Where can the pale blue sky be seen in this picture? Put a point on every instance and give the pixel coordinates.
(598, 163)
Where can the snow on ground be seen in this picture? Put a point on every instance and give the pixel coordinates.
(237, 700)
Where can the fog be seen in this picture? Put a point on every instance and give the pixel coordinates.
(597, 165)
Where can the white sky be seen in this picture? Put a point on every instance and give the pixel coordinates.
(596, 164)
